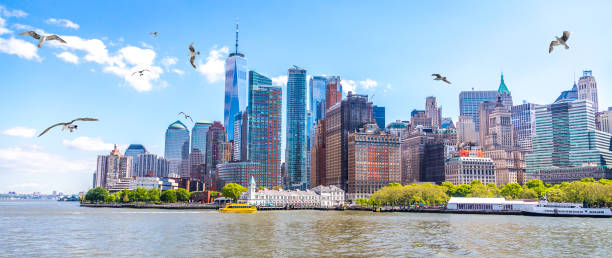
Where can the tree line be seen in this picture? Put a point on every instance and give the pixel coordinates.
(586, 191)
(153, 195)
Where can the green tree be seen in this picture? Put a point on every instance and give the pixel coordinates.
(233, 191)
(110, 198)
(537, 186)
(511, 191)
(141, 194)
(463, 190)
(153, 195)
(182, 195)
(529, 194)
(97, 194)
(168, 196)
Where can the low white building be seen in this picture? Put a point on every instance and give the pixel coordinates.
(487, 204)
(464, 170)
(320, 196)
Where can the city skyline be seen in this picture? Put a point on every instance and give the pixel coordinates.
(137, 112)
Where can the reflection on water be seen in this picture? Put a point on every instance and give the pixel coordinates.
(48, 228)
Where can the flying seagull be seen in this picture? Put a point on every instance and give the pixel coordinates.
(440, 78)
(559, 41)
(154, 34)
(69, 126)
(42, 38)
(193, 54)
(186, 116)
(141, 72)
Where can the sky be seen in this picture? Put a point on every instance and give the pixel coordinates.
(386, 49)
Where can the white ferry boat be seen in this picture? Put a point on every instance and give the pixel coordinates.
(545, 208)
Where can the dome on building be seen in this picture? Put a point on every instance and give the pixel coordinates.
(177, 125)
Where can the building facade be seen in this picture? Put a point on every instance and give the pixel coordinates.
(197, 157)
(235, 88)
(433, 112)
(341, 119)
(566, 138)
(265, 122)
(469, 101)
(523, 122)
(176, 149)
(373, 161)
(214, 137)
(466, 130)
(321, 196)
(295, 156)
(378, 113)
(587, 89)
(464, 170)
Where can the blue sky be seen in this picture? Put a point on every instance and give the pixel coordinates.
(385, 48)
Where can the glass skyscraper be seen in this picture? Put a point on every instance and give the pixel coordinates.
(566, 138)
(235, 88)
(135, 149)
(378, 113)
(198, 145)
(295, 151)
(265, 117)
(176, 150)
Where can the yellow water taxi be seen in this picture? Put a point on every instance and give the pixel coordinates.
(238, 208)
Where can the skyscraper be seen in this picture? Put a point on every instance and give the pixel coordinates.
(295, 156)
(176, 150)
(433, 112)
(198, 146)
(373, 161)
(567, 146)
(241, 129)
(341, 119)
(317, 92)
(523, 121)
(214, 137)
(235, 88)
(469, 101)
(466, 130)
(378, 112)
(587, 89)
(265, 118)
(333, 93)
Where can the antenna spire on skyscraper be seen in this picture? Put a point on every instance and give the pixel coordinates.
(236, 35)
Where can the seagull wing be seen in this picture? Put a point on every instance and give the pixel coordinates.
(182, 113)
(191, 48)
(565, 36)
(552, 45)
(55, 37)
(192, 61)
(31, 33)
(46, 130)
(134, 73)
(445, 80)
(84, 119)
(146, 70)
(190, 118)
(436, 75)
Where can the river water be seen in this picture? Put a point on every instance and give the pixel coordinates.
(50, 228)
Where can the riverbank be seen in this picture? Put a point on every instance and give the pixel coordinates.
(354, 208)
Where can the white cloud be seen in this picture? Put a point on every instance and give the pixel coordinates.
(368, 84)
(279, 80)
(214, 68)
(178, 71)
(12, 13)
(3, 30)
(68, 57)
(62, 22)
(20, 160)
(19, 47)
(348, 85)
(169, 61)
(20, 131)
(89, 144)
(22, 26)
(145, 45)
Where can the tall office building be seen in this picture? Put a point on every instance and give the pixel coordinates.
(469, 101)
(176, 150)
(484, 110)
(499, 145)
(433, 112)
(333, 93)
(413, 155)
(101, 170)
(587, 89)
(117, 167)
(466, 130)
(523, 121)
(317, 91)
(265, 118)
(373, 161)
(567, 146)
(605, 121)
(235, 88)
(418, 118)
(198, 147)
(378, 112)
(135, 149)
(241, 131)
(295, 156)
(214, 137)
(341, 119)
